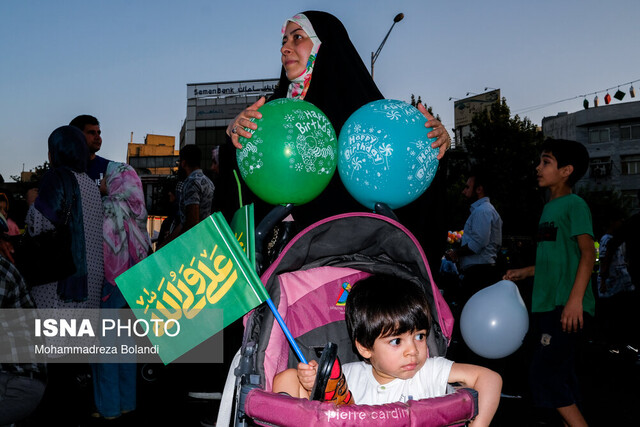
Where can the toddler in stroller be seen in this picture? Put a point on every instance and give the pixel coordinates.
(388, 321)
(308, 284)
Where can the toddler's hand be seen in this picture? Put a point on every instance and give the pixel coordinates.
(307, 374)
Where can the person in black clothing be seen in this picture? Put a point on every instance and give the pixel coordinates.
(22, 384)
(321, 66)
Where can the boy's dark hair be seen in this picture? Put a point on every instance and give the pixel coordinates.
(192, 155)
(81, 121)
(383, 305)
(568, 152)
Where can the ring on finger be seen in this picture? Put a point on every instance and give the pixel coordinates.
(234, 130)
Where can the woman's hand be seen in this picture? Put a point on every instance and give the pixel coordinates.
(243, 120)
(443, 140)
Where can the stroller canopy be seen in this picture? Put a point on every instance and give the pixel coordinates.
(307, 280)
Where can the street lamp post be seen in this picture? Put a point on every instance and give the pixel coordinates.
(374, 56)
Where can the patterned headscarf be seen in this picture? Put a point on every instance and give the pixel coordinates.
(299, 85)
(341, 82)
(126, 240)
(340, 85)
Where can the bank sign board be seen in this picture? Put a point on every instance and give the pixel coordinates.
(464, 109)
(224, 89)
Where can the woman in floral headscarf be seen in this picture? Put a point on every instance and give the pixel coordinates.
(126, 242)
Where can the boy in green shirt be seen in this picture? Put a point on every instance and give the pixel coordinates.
(562, 275)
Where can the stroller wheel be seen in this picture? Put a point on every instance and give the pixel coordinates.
(150, 372)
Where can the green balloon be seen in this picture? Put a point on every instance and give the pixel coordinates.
(292, 155)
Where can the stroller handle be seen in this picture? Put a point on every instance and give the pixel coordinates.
(277, 214)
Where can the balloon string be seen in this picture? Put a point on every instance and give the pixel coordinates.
(239, 187)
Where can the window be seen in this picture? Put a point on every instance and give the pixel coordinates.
(598, 135)
(630, 198)
(136, 162)
(600, 167)
(629, 132)
(153, 162)
(630, 165)
(208, 139)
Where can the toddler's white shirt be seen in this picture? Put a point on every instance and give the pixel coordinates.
(430, 381)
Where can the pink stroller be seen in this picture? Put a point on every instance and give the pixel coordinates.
(308, 283)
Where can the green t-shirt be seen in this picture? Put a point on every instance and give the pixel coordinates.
(557, 256)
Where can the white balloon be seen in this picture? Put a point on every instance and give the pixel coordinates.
(495, 320)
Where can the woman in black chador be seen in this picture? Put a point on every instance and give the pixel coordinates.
(321, 66)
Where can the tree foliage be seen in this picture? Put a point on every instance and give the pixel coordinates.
(41, 170)
(415, 103)
(38, 172)
(605, 204)
(507, 149)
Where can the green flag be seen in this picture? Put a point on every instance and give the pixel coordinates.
(193, 287)
(243, 227)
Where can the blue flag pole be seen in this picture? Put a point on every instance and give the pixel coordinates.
(286, 331)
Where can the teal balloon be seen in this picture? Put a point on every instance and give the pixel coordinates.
(384, 155)
(495, 320)
(292, 155)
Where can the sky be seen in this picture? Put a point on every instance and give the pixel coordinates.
(128, 62)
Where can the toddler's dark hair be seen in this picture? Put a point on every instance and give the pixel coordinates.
(383, 305)
(568, 152)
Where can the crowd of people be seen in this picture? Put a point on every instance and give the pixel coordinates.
(103, 205)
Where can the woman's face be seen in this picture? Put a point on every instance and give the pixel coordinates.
(296, 48)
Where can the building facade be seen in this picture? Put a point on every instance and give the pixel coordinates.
(155, 161)
(465, 109)
(210, 108)
(157, 156)
(611, 134)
